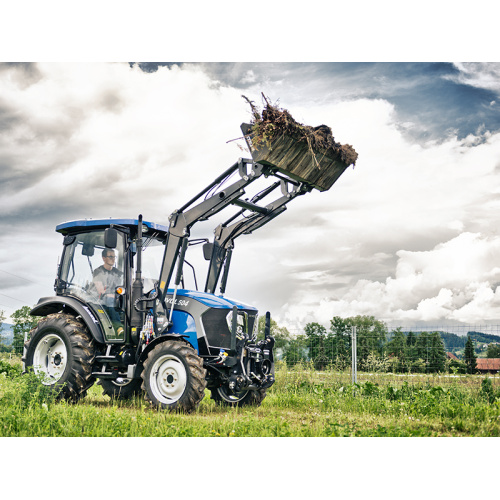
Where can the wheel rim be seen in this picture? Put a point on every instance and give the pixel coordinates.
(231, 397)
(50, 358)
(168, 379)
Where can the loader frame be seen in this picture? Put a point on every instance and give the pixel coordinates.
(216, 199)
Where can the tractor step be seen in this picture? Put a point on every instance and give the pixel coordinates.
(108, 375)
(107, 359)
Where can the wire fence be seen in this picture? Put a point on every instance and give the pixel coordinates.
(397, 354)
(391, 353)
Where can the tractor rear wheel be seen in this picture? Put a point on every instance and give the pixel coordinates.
(174, 377)
(121, 388)
(225, 397)
(61, 350)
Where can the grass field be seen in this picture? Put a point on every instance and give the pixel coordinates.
(302, 403)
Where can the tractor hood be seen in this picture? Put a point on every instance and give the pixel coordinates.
(214, 301)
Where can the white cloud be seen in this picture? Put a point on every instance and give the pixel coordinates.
(121, 132)
(478, 74)
(456, 280)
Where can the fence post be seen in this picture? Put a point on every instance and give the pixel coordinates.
(354, 356)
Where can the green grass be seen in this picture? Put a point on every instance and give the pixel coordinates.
(301, 403)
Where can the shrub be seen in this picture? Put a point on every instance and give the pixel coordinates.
(27, 390)
(11, 370)
(487, 391)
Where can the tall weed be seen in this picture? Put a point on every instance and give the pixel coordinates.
(27, 390)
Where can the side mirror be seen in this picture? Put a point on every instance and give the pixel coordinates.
(88, 249)
(207, 250)
(110, 238)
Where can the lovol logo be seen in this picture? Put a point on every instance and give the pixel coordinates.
(178, 302)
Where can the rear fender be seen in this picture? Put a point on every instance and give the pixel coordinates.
(70, 305)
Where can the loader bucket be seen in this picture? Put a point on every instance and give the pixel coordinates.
(296, 159)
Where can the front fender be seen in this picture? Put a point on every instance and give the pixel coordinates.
(159, 340)
(70, 305)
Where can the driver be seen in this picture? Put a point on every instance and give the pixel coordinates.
(107, 277)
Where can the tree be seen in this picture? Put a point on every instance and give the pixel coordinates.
(340, 335)
(411, 351)
(315, 330)
(470, 356)
(415, 362)
(371, 335)
(23, 324)
(437, 359)
(493, 351)
(316, 336)
(423, 349)
(396, 348)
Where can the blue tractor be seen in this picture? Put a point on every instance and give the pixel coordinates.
(121, 314)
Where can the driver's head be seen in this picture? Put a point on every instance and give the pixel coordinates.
(108, 256)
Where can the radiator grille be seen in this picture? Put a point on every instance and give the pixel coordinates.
(216, 329)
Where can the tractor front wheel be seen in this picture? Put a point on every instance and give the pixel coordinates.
(174, 377)
(61, 352)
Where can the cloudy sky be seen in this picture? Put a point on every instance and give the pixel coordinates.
(410, 235)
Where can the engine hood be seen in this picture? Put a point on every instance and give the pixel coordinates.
(210, 300)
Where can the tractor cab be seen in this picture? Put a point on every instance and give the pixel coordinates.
(97, 265)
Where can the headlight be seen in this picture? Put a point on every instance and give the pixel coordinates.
(241, 323)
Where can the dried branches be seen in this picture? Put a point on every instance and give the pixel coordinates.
(274, 121)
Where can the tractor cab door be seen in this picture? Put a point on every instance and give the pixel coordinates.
(96, 275)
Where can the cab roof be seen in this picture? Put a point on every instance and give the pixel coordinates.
(78, 226)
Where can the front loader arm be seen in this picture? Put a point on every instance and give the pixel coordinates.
(215, 201)
(226, 233)
(183, 219)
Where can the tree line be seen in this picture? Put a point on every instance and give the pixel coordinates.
(377, 349)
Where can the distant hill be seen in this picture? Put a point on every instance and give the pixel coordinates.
(484, 337)
(6, 334)
(453, 342)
